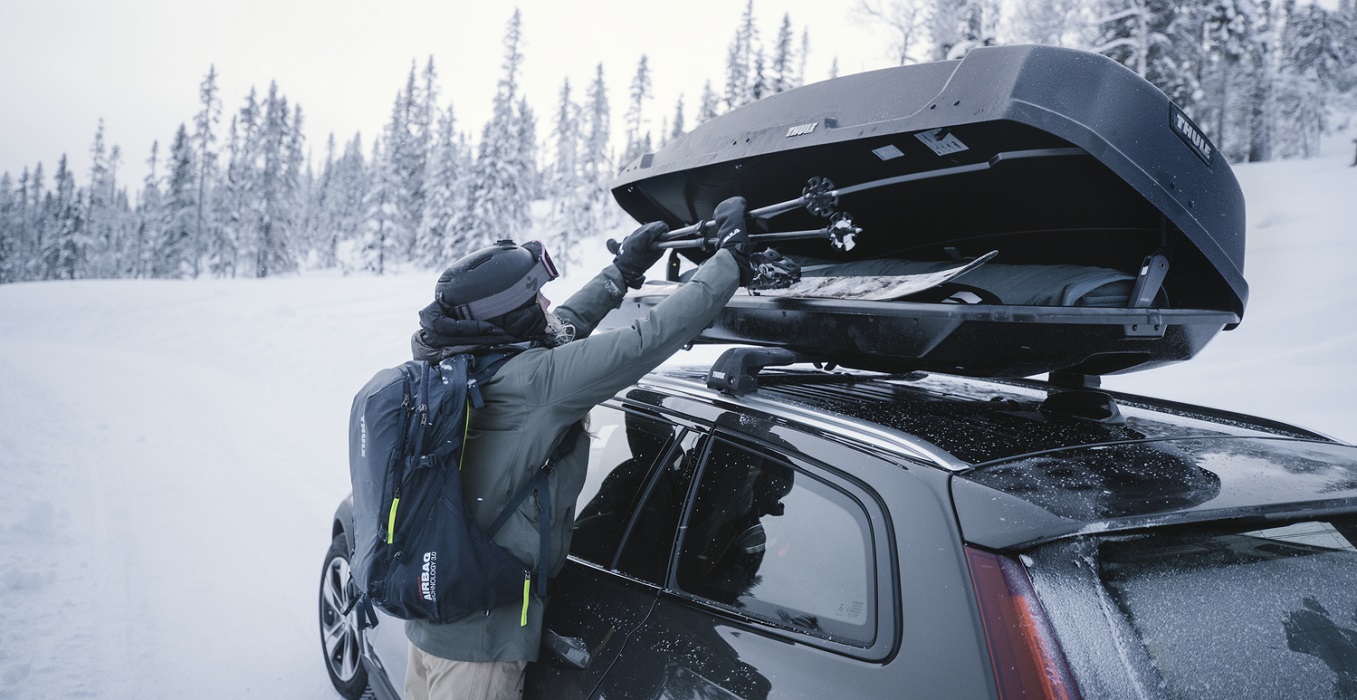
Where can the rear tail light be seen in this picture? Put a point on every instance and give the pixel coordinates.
(1026, 659)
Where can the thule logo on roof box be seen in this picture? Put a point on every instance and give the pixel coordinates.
(1191, 134)
(802, 129)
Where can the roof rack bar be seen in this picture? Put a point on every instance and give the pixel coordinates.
(736, 371)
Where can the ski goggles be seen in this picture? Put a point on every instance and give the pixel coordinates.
(518, 294)
(544, 262)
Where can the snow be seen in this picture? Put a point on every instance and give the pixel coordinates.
(172, 451)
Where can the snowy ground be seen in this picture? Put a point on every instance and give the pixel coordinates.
(171, 452)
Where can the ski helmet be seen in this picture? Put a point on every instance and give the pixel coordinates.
(495, 280)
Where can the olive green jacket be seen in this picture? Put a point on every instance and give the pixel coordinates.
(529, 403)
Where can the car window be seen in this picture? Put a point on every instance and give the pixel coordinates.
(646, 552)
(1208, 613)
(624, 447)
(777, 543)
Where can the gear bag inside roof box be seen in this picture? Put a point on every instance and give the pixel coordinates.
(1117, 231)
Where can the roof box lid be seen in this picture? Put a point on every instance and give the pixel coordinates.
(1047, 155)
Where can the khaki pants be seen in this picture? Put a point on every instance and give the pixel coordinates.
(428, 677)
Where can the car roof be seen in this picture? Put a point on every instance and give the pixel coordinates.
(1031, 470)
(977, 421)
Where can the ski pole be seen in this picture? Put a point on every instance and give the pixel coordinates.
(820, 196)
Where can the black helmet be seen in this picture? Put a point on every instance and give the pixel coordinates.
(494, 281)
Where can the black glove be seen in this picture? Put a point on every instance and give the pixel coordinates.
(732, 233)
(638, 252)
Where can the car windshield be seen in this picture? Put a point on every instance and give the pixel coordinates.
(1207, 613)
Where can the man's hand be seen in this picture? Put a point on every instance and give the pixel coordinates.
(638, 252)
(732, 233)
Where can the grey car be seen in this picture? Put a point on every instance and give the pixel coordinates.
(927, 535)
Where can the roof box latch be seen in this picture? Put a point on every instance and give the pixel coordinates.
(736, 371)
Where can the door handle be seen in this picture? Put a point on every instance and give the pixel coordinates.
(571, 650)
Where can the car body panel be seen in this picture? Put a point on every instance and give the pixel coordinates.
(1154, 483)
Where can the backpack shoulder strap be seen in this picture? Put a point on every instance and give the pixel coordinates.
(482, 368)
(564, 444)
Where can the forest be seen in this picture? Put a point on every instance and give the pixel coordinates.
(242, 192)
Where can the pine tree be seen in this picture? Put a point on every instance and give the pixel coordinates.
(9, 229)
(677, 127)
(640, 92)
(500, 193)
(596, 163)
(238, 208)
(279, 165)
(98, 225)
(783, 77)
(710, 105)
(527, 152)
(173, 253)
(1229, 27)
(348, 206)
(440, 238)
(64, 249)
(150, 218)
(1314, 58)
(204, 122)
(379, 210)
(568, 190)
(803, 54)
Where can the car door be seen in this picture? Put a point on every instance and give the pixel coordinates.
(780, 586)
(597, 601)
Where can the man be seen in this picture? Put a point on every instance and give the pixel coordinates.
(491, 300)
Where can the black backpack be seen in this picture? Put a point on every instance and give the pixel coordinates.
(418, 553)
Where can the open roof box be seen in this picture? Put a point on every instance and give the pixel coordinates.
(1119, 231)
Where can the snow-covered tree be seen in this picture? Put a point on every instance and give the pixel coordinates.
(500, 188)
(677, 128)
(741, 58)
(901, 20)
(173, 252)
(640, 92)
(64, 247)
(782, 72)
(710, 106)
(441, 238)
(204, 137)
(568, 190)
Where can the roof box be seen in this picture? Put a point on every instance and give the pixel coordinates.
(1118, 231)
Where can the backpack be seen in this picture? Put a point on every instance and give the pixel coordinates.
(418, 553)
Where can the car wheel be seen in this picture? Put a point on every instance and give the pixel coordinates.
(340, 637)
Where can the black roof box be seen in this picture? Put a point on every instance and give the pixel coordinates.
(1052, 157)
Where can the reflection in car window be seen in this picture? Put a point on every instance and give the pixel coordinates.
(1264, 613)
(645, 554)
(779, 544)
(625, 446)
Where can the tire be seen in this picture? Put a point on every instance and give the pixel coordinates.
(340, 639)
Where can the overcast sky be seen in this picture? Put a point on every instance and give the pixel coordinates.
(66, 63)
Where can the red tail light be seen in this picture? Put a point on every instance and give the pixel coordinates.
(1026, 659)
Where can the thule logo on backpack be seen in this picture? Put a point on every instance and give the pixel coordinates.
(428, 577)
(1192, 135)
(362, 436)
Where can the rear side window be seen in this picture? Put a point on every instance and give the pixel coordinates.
(1260, 613)
(625, 445)
(774, 542)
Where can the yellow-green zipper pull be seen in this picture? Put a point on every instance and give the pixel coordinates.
(391, 519)
(527, 591)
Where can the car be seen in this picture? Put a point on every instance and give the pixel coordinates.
(929, 535)
(932, 496)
